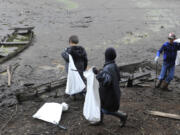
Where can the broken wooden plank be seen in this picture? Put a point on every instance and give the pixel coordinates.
(141, 76)
(166, 115)
(22, 32)
(22, 28)
(132, 67)
(142, 85)
(14, 43)
(137, 77)
(34, 92)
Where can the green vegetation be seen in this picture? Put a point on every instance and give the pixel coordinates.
(69, 4)
(11, 38)
(5, 51)
(18, 38)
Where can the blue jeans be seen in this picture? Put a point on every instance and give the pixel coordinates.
(107, 112)
(167, 72)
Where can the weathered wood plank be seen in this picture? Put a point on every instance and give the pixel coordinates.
(137, 77)
(22, 28)
(14, 43)
(166, 115)
(39, 90)
(132, 67)
(18, 51)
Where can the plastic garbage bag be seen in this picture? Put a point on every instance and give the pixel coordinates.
(91, 110)
(74, 84)
(50, 112)
(178, 54)
(65, 106)
(178, 58)
(177, 40)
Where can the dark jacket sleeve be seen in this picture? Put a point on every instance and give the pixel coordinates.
(85, 60)
(65, 54)
(105, 78)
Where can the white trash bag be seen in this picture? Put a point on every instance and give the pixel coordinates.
(178, 54)
(51, 112)
(178, 58)
(91, 110)
(74, 84)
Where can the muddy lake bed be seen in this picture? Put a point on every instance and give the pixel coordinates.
(135, 28)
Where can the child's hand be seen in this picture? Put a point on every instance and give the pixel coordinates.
(95, 71)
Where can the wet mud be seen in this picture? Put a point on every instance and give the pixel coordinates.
(135, 28)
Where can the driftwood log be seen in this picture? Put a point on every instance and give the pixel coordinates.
(48, 87)
(34, 92)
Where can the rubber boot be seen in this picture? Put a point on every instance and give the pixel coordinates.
(122, 116)
(159, 83)
(164, 86)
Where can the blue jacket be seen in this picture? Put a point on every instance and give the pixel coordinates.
(170, 52)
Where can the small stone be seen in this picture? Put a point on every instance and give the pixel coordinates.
(162, 27)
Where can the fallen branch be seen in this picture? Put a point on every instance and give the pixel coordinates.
(10, 71)
(166, 115)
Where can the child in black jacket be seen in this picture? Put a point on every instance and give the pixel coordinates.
(78, 54)
(109, 90)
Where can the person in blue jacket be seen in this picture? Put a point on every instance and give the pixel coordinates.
(169, 50)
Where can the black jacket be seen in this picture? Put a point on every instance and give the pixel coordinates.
(109, 89)
(79, 56)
